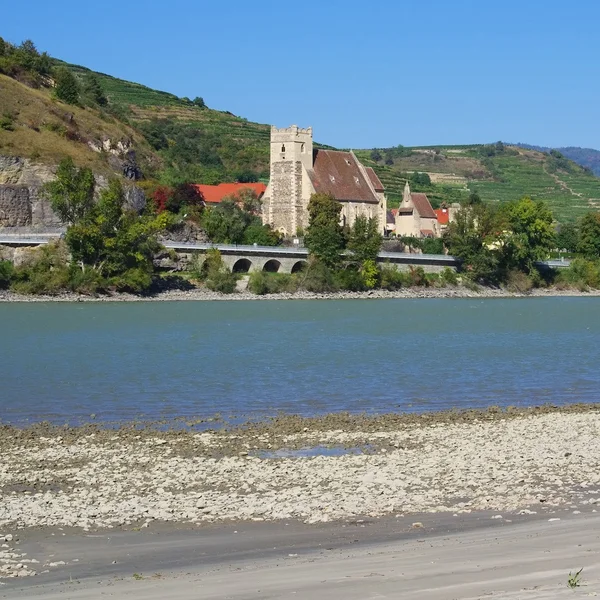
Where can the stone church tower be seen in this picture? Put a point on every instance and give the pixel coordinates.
(298, 171)
(291, 157)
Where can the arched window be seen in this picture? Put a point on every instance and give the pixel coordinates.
(302, 148)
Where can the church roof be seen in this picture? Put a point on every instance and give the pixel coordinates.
(339, 174)
(423, 206)
(374, 179)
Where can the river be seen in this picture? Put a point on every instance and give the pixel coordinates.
(65, 362)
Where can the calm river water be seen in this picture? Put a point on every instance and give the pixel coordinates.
(65, 362)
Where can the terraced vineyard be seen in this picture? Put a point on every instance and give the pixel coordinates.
(570, 192)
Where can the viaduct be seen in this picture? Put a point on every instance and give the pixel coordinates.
(274, 259)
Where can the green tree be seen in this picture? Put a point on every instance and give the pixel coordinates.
(225, 223)
(116, 242)
(93, 91)
(66, 86)
(3, 47)
(324, 236)
(365, 239)
(530, 234)
(472, 237)
(199, 102)
(6, 273)
(567, 237)
(71, 193)
(589, 237)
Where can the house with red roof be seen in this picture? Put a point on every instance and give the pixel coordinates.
(298, 171)
(415, 216)
(215, 194)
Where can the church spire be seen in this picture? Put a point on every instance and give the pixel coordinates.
(406, 199)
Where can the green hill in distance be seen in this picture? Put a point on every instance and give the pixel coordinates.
(497, 172)
(177, 140)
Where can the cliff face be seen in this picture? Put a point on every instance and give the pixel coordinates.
(23, 208)
(21, 201)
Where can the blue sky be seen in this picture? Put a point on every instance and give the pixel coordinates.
(363, 74)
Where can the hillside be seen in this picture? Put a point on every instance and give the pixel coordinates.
(586, 157)
(146, 133)
(497, 172)
(33, 125)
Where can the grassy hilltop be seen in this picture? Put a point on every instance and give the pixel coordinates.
(178, 139)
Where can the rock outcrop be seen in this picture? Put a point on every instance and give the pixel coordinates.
(24, 209)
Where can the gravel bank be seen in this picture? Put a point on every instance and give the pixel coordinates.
(207, 295)
(94, 478)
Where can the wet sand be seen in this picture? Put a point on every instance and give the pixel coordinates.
(476, 557)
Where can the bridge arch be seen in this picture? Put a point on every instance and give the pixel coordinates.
(243, 265)
(299, 266)
(272, 266)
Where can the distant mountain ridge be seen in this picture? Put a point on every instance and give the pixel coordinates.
(586, 157)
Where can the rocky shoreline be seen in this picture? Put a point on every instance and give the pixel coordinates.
(203, 294)
(311, 470)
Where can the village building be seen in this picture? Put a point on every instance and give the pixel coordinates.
(298, 171)
(215, 194)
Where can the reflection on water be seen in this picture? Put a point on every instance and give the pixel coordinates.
(65, 362)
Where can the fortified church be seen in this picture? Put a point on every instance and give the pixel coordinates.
(298, 171)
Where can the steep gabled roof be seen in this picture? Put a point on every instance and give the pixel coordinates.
(339, 174)
(443, 215)
(423, 206)
(213, 194)
(377, 185)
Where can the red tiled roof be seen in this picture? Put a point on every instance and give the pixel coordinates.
(443, 216)
(374, 179)
(213, 194)
(337, 173)
(423, 206)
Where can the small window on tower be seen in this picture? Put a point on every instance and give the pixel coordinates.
(302, 149)
(283, 147)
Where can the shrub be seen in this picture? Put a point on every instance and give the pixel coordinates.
(349, 279)
(7, 272)
(46, 273)
(221, 281)
(417, 277)
(318, 278)
(448, 276)
(262, 283)
(518, 282)
(391, 279)
(582, 274)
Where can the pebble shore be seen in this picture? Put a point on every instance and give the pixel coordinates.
(95, 478)
(207, 295)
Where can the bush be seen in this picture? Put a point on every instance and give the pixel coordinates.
(448, 276)
(416, 277)
(582, 274)
(221, 281)
(46, 273)
(391, 279)
(518, 282)
(350, 280)
(262, 283)
(7, 272)
(318, 278)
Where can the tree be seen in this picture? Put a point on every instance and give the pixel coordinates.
(530, 233)
(93, 90)
(225, 223)
(365, 239)
(66, 86)
(324, 236)
(376, 155)
(474, 198)
(567, 237)
(3, 47)
(473, 238)
(71, 194)
(589, 237)
(116, 242)
(199, 102)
